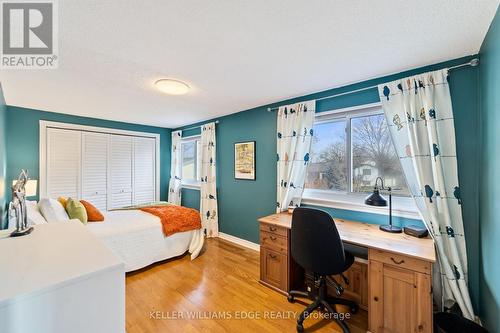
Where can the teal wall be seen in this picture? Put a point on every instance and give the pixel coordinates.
(190, 198)
(23, 140)
(3, 137)
(490, 181)
(242, 202)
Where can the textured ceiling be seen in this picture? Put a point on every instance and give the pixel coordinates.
(235, 54)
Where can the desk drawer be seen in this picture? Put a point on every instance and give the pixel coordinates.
(273, 241)
(274, 269)
(274, 229)
(401, 261)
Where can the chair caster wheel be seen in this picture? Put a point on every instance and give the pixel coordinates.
(290, 298)
(354, 309)
(300, 328)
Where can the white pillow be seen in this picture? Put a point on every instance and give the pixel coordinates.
(52, 210)
(33, 213)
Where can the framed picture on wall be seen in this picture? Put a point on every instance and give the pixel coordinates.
(244, 160)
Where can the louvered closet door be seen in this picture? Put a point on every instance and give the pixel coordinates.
(63, 163)
(120, 171)
(95, 168)
(144, 170)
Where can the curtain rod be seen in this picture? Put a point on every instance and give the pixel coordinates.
(190, 128)
(473, 63)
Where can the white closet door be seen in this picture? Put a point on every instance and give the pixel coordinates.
(63, 163)
(95, 168)
(144, 170)
(120, 171)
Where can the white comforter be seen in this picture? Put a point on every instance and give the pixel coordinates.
(137, 238)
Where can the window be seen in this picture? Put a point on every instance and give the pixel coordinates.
(350, 149)
(373, 155)
(328, 169)
(190, 150)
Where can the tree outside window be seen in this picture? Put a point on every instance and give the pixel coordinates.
(369, 153)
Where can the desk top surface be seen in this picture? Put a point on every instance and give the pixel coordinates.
(370, 236)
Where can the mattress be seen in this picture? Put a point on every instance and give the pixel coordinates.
(137, 238)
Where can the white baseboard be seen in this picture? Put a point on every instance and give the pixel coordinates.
(240, 241)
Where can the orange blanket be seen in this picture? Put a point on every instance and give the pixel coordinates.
(175, 218)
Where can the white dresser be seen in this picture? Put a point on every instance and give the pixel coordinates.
(60, 279)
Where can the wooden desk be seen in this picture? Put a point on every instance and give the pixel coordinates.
(399, 271)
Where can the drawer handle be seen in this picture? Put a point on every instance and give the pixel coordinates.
(375, 299)
(273, 238)
(397, 262)
(272, 228)
(272, 256)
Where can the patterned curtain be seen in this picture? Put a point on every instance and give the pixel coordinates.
(295, 131)
(208, 193)
(420, 117)
(174, 187)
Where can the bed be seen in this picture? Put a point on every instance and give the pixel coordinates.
(135, 236)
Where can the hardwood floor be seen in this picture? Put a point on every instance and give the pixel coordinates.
(217, 292)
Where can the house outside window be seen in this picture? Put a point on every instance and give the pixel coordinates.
(350, 149)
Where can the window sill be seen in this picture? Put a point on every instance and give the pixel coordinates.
(191, 186)
(401, 206)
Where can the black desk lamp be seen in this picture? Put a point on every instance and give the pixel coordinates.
(376, 199)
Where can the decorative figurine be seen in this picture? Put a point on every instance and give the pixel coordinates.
(18, 205)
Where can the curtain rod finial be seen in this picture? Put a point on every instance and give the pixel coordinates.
(474, 62)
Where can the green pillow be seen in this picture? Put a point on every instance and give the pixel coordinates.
(76, 210)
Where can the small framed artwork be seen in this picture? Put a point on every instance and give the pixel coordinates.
(244, 160)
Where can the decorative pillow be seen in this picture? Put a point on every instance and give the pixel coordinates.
(52, 210)
(76, 210)
(33, 213)
(63, 201)
(94, 215)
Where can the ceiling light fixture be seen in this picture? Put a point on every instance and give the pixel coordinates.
(172, 87)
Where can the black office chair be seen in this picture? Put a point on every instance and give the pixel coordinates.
(316, 246)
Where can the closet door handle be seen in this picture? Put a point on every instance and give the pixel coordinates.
(397, 262)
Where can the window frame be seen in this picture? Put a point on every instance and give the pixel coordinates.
(402, 206)
(192, 184)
